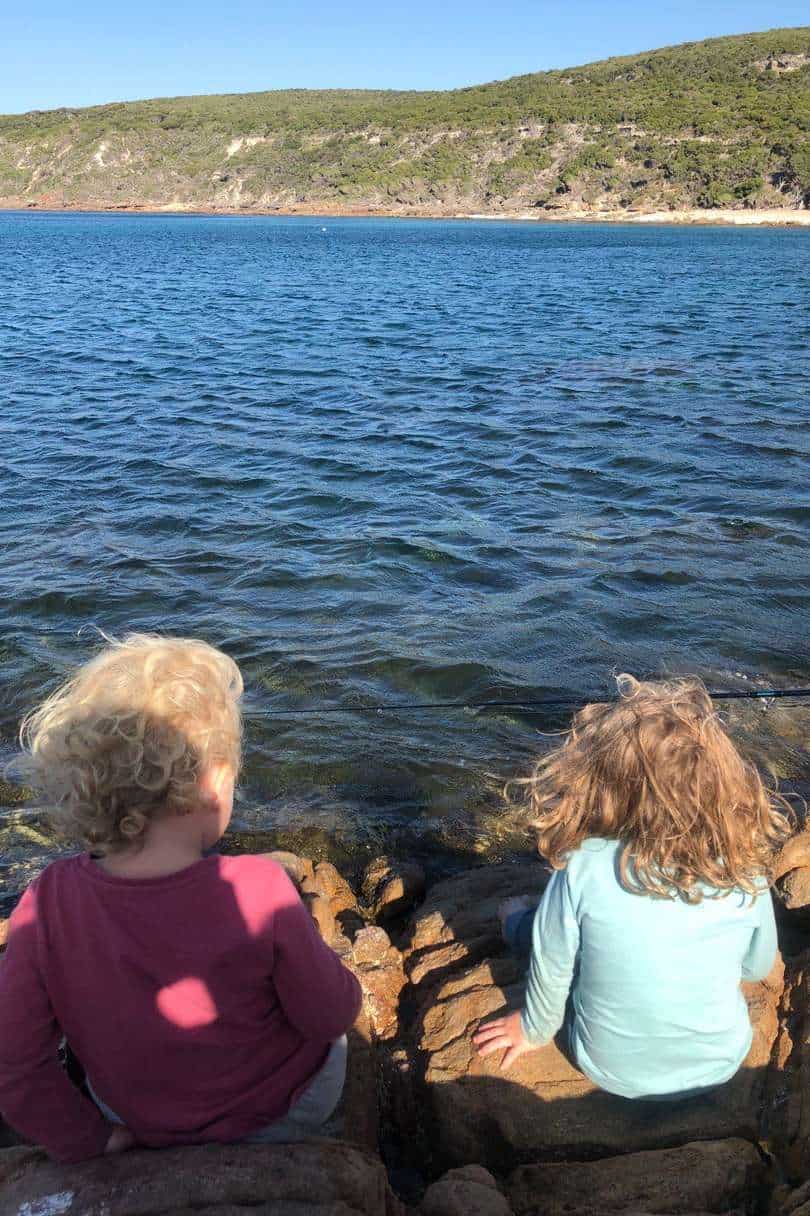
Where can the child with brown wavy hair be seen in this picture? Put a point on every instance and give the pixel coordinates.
(193, 987)
(661, 838)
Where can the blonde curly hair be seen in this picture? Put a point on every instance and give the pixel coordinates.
(130, 735)
(658, 772)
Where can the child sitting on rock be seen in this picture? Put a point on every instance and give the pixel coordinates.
(194, 989)
(661, 839)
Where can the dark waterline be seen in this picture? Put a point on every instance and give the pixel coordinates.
(397, 459)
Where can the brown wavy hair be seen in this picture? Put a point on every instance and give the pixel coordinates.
(658, 772)
(129, 736)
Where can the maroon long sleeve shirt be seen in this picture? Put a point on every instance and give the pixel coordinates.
(200, 1004)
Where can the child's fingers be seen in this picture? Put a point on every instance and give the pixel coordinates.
(497, 1044)
(512, 1054)
(488, 1031)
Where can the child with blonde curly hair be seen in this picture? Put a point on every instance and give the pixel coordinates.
(193, 988)
(661, 838)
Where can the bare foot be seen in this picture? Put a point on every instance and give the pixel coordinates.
(516, 903)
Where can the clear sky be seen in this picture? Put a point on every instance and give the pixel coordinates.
(82, 52)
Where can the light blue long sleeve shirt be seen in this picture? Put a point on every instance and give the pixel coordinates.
(655, 983)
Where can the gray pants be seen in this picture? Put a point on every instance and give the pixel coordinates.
(307, 1114)
(313, 1107)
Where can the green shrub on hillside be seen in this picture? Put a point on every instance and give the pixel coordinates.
(707, 122)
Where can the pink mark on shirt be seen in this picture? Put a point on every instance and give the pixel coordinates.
(187, 1003)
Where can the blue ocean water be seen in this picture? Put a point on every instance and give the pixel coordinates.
(403, 460)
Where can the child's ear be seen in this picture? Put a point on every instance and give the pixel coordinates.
(216, 786)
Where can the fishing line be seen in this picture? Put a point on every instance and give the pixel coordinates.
(572, 701)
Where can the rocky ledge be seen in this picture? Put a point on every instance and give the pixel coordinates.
(427, 1128)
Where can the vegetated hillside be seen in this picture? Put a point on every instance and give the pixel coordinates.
(717, 123)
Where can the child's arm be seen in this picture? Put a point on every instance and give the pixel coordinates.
(555, 944)
(762, 948)
(319, 995)
(36, 1096)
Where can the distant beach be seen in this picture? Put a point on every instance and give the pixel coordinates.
(782, 217)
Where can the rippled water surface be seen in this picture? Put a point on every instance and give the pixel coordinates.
(394, 460)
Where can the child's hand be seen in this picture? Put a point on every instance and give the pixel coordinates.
(503, 1032)
(121, 1138)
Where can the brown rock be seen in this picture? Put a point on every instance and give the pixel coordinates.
(542, 1107)
(787, 1114)
(391, 887)
(298, 868)
(3, 932)
(333, 906)
(458, 923)
(372, 946)
(792, 1202)
(340, 895)
(331, 902)
(795, 853)
(794, 888)
(321, 1178)
(470, 1191)
(378, 966)
(320, 911)
(713, 1176)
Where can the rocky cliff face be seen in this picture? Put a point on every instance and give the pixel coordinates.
(708, 125)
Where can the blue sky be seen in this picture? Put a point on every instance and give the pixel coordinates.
(84, 52)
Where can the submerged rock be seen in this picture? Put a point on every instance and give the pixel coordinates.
(322, 1178)
(707, 1176)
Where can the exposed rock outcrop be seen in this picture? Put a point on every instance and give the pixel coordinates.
(793, 873)
(794, 890)
(471, 1191)
(366, 949)
(323, 1178)
(794, 1202)
(378, 966)
(795, 854)
(458, 923)
(788, 1107)
(391, 888)
(707, 1176)
(542, 1107)
(566, 1146)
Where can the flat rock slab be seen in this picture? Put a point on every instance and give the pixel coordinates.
(542, 1108)
(313, 1179)
(458, 923)
(708, 1176)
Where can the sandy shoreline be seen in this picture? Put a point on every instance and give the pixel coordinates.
(781, 217)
